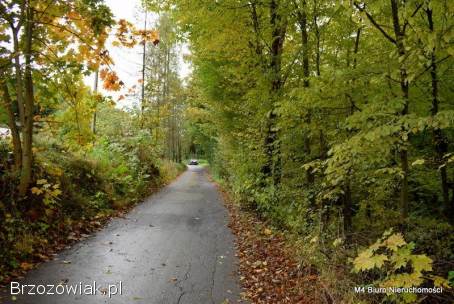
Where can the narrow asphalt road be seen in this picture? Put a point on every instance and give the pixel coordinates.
(174, 248)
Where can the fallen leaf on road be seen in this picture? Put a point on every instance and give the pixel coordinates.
(42, 257)
(26, 266)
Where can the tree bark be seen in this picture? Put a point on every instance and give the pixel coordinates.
(348, 203)
(95, 91)
(27, 132)
(144, 57)
(440, 141)
(17, 148)
(256, 25)
(347, 210)
(400, 35)
(317, 41)
(273, 168)
(302, 21)
(19, 76)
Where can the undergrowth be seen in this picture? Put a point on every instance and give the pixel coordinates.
(73, 193)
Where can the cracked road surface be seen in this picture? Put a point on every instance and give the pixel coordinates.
(173, 248)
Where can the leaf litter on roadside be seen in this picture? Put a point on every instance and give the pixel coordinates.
(268, 273)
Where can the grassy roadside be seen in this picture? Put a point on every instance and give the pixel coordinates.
(73, 196)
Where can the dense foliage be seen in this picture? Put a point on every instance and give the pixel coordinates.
(334, 120)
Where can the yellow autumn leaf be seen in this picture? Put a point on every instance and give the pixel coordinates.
(418, 162)
(395, 241)
(26, 266)
(56, 192)
(36, 191)
(41, 181)
(421, 263)
(337, 242)
(440, 282)
(366, 260)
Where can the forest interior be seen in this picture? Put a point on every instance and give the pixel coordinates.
(329, 124)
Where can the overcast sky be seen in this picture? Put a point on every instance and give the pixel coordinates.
(128, 62)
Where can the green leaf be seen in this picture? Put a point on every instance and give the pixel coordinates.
(421, 263)
(418, 162)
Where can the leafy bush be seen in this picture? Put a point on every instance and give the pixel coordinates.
(396, 266)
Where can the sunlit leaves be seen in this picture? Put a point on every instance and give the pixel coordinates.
(110, 79)
(128, 36)
(367, 260)
(125, 34)
(394, 241)
(394, 257)
(49, 192)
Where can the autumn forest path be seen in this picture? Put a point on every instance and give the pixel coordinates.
(173, 248)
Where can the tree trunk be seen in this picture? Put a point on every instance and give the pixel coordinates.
(144, 57)
(440, 141)
(310, 177)
(323, 145)
(256, 25)
(17, 148)
(302, 20)
(348, 203)
(317, 41)
(272, 150)
(95, 91)
(400, 35)
(302, 16)
(19, 77)
(347, 210)
(27, 131)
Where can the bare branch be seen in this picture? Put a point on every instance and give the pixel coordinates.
(374, 23)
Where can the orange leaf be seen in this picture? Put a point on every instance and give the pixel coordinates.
(26, 266)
